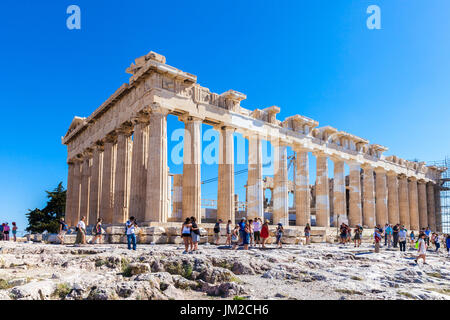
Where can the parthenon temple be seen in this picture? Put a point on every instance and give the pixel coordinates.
(118, 162)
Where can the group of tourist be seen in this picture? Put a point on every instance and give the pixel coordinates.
(5, 229)
(346, 234)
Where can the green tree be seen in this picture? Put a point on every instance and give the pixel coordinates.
(47, 218)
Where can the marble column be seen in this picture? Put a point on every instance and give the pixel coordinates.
(192, 158)
(156, 206)
(108, 177)
(139, 168)
(85, 184)
(381, 202)
(413, 204)
(95, 185)
(121, 180)
(322, 189)
(437, 201)
(225, 185)
(302, 193)
(355, 210)
(393, 207)
(255, 200)
(403, 198)
(431, 206)
(177, 197)
(70, 213)
(369, 216)
(422, 192)
(280, 196)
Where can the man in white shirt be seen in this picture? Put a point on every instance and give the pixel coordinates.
(131, 235)
(81, 231)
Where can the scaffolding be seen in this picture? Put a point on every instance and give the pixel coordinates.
(444, 187)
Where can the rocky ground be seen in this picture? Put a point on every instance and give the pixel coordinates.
(317, 271)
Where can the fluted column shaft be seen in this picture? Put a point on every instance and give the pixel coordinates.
(302, 193)
(70, 194)
(381, 197)
(422, 192)
(431, 206)
(369, 219)
(95, 185)
(84, 195)
(192, 154)
(139, 169)
(177, 197)
(413, 204)
(108, 177)
(121, 182)
(156, 206)
(255, 200)
(355, 210)
(403, 197)
(225, 188)
(393, 207)
(437, 202)
(280, 196)
(322, 189)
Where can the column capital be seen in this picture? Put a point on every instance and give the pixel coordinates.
(156, 108)
(391, 173)
(141, 118)
(224, 127)
(125, 129)
(335, 158)
(187, 118)
(402, 176)
(111, 137)
(320, 154)
(87, 153)
(379, 170)
(300, 148)
(412, 179)
(421, 181)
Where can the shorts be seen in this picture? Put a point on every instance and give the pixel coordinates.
(279, 238)
(216, 236)
(195, 237)
(357, 237)
(186, 235)
(247, 239)
(307, 234)
(257, 235)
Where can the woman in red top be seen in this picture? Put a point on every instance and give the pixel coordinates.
(265, 233)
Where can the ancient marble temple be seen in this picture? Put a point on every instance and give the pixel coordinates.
(118, 162)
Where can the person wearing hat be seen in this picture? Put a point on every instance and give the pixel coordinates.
(265, 233)
(280, 231)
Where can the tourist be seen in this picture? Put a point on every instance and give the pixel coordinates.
(265, 233)
(195, 235)
(388, 235)
(447, 244)
(228, 243)
(6, 231)
(377, 238)
(186, 234)
(247, 235)
(81, 231)
(235, 236)
(131, 226)
(343, 234)
(437, 242)
(307, 231)
(14, 231)
(422, 248)
(357, 238)
(402, 234)
(395, 231)
(2, 236)
(257, 231)
(241, 231)
(217, 232)
(97, 231)
(427, 235)
(279, 234)
(63, 228)
(412, 238)
(250, 226)
(349, 234)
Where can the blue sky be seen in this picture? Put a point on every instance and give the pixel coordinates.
(311, 57)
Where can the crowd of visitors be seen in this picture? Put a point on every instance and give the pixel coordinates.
(5, 231)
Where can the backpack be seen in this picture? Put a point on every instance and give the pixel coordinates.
(64, 227)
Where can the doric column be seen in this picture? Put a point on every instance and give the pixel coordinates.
(302, 193)
(403, 198)
(95, 185)
(177, 197)
(369, 197)
(192, 157)
(85, 184)
(381, 196)
(339, 202)
(156, 206)
(355, 212)
(437, 202)
(393, 198)
(280, 196)
(413, 204)
(322, 197)
(121, 181)
(225, 187)
(423, 216)
(255, 200)
(69, 215)
(139, 167)
(108, 176)
(431, 206)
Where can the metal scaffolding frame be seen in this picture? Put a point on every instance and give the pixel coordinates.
(444, 193)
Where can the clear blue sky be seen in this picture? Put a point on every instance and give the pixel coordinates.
(312, 57)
